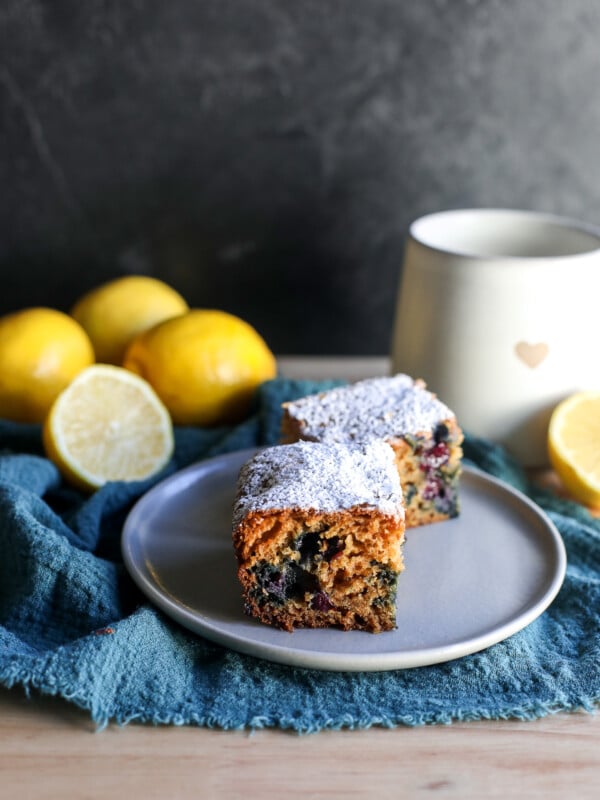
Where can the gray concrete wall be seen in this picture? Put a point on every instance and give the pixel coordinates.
(266, 156)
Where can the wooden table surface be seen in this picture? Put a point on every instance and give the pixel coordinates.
(49, 749)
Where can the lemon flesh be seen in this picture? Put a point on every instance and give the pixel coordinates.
(108, 425)
(204, 365)
(112, 314)
(41, 351)
(574, 446)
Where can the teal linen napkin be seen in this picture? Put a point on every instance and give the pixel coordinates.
(73, 624)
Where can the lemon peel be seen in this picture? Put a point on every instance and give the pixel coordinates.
(205, 365)
(113, 313)
(41, 351)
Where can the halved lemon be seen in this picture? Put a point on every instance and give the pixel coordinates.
(108, 425)
(574, 446)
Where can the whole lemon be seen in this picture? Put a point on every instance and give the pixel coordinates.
(204, 365)
(41, 351)
(112, 314)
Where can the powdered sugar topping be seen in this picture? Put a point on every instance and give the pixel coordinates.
(322, 477)
(377, 408)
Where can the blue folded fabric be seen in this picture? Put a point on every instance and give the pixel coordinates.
(73, 624)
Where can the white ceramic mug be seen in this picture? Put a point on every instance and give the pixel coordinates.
(499, 312)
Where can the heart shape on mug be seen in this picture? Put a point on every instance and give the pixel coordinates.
(532, 354)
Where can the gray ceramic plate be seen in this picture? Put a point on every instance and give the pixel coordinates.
(468, 583)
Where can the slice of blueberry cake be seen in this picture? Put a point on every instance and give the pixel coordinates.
(317, 531)
(422, 431)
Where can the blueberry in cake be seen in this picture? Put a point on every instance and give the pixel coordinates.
(422, 431)
(318, 531)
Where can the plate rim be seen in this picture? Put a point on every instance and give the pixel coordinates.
(332, 660)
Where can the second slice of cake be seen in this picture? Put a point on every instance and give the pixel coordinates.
(317, 530)
(422, 431)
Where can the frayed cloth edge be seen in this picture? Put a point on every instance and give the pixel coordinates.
(102, 719)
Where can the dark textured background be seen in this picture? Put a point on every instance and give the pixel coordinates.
(267, 156)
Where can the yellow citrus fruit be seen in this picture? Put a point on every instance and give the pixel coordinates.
(204, 365)
(41, 351)
(574, 446)
(108, 425)
(112, 314)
